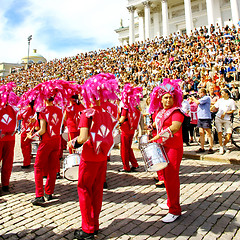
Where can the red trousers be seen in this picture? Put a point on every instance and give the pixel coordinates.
(47, 161)
(26, 149)
(127, 152)
(160, 175)
(6, 156)
(171, 179)
(90, 191)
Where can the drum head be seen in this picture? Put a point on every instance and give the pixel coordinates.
(71, 173)
(157, 167)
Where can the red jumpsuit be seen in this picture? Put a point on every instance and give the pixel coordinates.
(174, 150)
(26, 115)
(93, 165)
(73, 113)
(128, 128)
(154, 133)
(47, 158)
(8, 124)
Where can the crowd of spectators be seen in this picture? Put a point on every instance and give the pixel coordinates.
(206, 56)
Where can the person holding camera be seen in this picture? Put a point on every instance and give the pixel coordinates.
(204, 119)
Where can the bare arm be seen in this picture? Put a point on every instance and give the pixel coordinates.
(83, 137)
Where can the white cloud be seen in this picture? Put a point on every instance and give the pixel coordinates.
(78, 19)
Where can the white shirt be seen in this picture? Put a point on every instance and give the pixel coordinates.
(225, 106)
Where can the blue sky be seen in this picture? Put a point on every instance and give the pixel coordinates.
(59, 28)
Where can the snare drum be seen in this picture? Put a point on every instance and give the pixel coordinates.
(154, 156)
(65, 134)
(34, 147)
(143, 140)
(70, 167)
(116, 136)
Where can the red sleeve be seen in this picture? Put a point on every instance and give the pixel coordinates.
(124, 112)
(85, 121)
(41, 115)
(177, 116)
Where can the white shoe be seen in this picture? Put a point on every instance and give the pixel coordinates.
(163, 206)
(221, 150)
(170, 218)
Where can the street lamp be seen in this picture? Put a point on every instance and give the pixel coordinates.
(29, 39)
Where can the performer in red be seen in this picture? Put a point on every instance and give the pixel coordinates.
(28, 123)
(8, 127)
(72, 118)
(51, 94)
(168, 96)
(96, 127)
(129, 120)
(159, 179)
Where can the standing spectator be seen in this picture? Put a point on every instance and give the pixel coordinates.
(226, 107)
(204, 119)
(186, 123)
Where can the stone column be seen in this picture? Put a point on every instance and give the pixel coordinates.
(131, 10)
(188, 16)
(147, 18)
(156, 22)
(210, 13)
(217, 13)
(235, 14)
(165, 18)
(141, 26)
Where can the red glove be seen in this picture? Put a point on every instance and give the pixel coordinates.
(165, 135)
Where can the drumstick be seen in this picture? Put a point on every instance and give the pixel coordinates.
(73, 150)
(29, 132)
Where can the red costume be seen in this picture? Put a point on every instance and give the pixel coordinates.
(154, 133)
(8, 125)
(128, 128)
(73, 113)
(174, 150)
(26, 115)
(47, 158)
(93, 165)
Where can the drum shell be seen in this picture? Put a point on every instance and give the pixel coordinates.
(34, 147)
(143, 140)
(70, 167)
(154, 156)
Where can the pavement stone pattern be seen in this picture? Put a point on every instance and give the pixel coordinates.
(210, 203)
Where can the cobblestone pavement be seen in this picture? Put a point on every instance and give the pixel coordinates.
(210, 203)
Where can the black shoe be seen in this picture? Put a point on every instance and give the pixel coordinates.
(210, 151)
(95, 232)
(188, 144)
(200, 150)
(160, 185)
(38, 201)
(105, 186)
(134, 169)
(25, 167)
(123, 170)
(81, 235)
(44, 176)
(5, 188)
(48, 197)
(58, 176)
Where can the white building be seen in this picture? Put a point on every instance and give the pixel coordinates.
(151, 18)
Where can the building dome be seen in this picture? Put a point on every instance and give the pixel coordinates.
(34, 58)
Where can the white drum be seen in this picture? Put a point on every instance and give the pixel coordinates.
(116, 136)
(142, 141)
(34, 147)
(65, 134)
(70, 167)
(154, 156)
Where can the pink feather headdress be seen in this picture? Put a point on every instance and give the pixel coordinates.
(131, 96)
(7, 95)
(102, 87)
(170, 86)
(60, 90)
